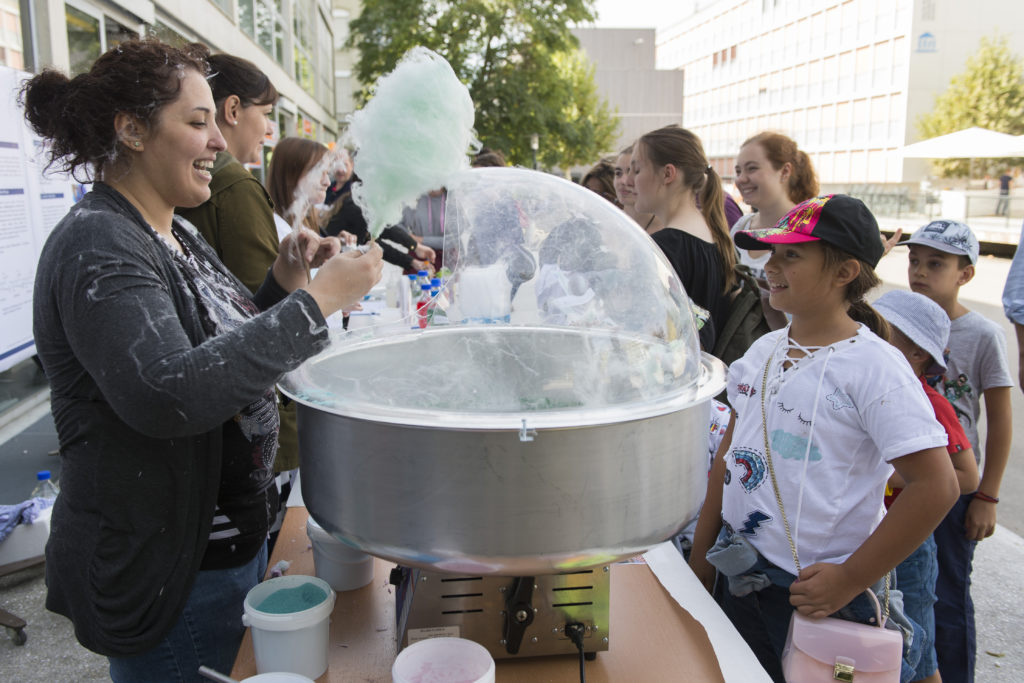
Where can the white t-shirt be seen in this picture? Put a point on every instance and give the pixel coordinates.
(756, 265)
(870, 410)
(283, 229)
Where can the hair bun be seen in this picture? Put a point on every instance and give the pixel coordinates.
(44, 98)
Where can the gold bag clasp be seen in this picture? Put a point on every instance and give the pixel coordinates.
(843, 672)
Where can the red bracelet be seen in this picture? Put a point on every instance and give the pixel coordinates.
(985, 497)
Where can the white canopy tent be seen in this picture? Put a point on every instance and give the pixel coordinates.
(970, 143)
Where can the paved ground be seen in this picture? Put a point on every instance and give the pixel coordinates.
(52, 654)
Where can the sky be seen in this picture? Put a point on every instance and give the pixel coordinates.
(640, 13)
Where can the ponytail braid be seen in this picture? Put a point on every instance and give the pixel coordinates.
(712, 206)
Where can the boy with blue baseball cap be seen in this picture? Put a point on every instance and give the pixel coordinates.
(943, 257)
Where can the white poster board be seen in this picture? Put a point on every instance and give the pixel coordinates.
(31, 204)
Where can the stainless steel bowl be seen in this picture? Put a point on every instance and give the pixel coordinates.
(533, 450)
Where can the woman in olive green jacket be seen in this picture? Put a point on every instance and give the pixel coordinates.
(238, 219)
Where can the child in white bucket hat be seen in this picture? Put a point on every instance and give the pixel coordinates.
(921, 332)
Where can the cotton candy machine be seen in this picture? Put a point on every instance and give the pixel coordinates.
(556, 424)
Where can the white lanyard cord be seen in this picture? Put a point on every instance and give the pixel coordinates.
(808, 352)
(807, 451)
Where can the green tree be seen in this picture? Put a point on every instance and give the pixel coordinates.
(521, 64)
(989, 93)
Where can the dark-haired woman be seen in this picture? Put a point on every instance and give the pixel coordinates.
(773, 176)
(601, 180)
(673, 180)
(238, 218)
(161, 367)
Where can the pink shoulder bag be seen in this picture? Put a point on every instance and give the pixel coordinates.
(830, 649)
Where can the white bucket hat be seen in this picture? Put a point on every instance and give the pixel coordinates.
(922, 320)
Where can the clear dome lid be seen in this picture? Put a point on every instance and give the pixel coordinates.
(553, 304)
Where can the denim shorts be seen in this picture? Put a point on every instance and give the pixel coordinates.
(915, 577)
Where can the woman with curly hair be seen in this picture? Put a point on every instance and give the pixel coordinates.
(161, 366)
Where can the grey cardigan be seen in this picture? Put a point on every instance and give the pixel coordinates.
(139, 396)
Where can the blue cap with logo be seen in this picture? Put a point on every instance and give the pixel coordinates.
(952, 237)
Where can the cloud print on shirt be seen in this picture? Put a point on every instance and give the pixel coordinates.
(793, 447)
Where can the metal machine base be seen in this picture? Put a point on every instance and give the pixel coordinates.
(510, 616)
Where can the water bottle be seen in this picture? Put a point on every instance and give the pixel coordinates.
(45, 487)
(423, 306)
(436, 310)
(405, 299)
(391, 288)
(423, 278)
(414, 286)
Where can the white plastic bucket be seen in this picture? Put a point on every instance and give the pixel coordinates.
(444, 660)
(278, 677)
(343, 567)
(295, 642)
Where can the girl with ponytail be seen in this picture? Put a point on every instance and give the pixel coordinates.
(773, 176)
(800, 475)
(673, 180)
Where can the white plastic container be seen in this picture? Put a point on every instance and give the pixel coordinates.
(26, 541)
(278, 677)
(344, 568)
(444, 660)
(295, 642)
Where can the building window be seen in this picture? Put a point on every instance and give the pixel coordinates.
(168, 35)
(90, 35)
(247, 17)
(224, 5)
(860, 121)
(304, 43)
(879, 132)
(325, 63)
(11, 53)
(116, 33)
(882, 74)
(262, 20)
(83, 39)
(862, 69)
(843, 123)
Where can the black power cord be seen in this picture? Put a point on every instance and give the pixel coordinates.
(575, 630)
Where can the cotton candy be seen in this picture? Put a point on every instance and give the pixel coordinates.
(411, 137)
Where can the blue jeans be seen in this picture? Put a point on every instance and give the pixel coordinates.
(954, 612)
(762, 619)
(208, 632)
(915, 577)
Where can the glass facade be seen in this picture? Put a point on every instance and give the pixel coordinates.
(87, 41)
(84, 42)
(11, 50)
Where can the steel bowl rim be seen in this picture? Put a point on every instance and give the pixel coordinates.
(710, 382)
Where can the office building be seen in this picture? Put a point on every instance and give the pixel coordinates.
(624, 61)
(847, 79)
